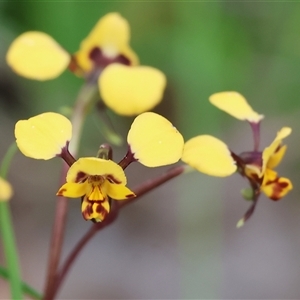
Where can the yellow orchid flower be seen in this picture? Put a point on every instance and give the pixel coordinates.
(152, 140)
(104, 56)
(96, 180)
(6, 190)
(211, 156)
(273, 186)
(36, 55)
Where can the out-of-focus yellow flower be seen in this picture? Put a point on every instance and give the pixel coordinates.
(209, 155)
(236, 105)
(36, 55)
(43, 136)
(6, 190)
(108, 40)
(212, 157)
(105, 52)
(131, 90)
(96, 180)
(271, 184)
(154, 141)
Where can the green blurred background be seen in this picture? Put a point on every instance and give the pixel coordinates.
(179, 242)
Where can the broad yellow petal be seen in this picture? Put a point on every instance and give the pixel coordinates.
(74, 190)
(43, 136)
(6, 190)
(96, 166)
(236, 105)
(117, 191)
(283, 133)
(154, 141)
(111, 35)
(209, 155)
(131, 90)
(36, 55)
(276, 158)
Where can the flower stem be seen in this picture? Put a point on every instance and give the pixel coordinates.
(8, 236)
(82, 105)
(112, 216)
(256, 134)
(127, 159)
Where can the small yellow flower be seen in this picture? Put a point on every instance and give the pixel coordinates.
(6, 190)
(43, 136)
(273, 186)
(154, 141)
(108, 40)
(96, 180)
(212, 157)
(124, 87)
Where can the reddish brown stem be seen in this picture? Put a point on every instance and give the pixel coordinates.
(56, 242)
(139, 191)
(80, 245)
(127, 159)
(67, 156)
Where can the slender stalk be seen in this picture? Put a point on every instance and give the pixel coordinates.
(82, 105)
(139, 191)
(27, 289)
(127, 159)
(256, 134)
(8, 237)
(151, 184)
(96, 227)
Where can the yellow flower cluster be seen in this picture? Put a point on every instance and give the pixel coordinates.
(125, 87)
(105, 58)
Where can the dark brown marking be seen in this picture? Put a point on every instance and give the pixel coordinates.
(60, 192)
(80, 177)
(102, 61)
(130, 196)
(112, 179)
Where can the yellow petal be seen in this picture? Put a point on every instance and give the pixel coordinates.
(275, 187)
(96, 166)
(131, 90)
(154, 141)
(209, 155)
(6, 190)
(283, 133)
(97, 210)
(236, 105)
(74, 190)
(117, 191)
(276, 158)
(111, 35)
(43, 136)
(273, 154)
(36, 55)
